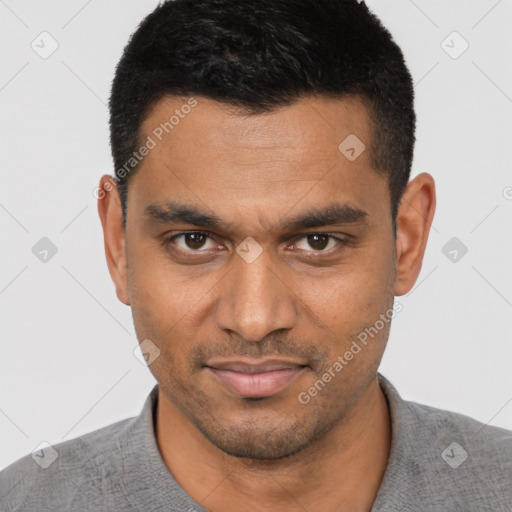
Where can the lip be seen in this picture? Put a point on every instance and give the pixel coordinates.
(250, 379)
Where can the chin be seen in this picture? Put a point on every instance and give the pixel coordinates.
(263, 442)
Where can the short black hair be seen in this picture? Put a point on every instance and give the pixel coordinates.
(260, 55)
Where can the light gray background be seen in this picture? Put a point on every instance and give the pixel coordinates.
(67, 363)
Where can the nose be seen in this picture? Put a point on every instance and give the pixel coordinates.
(254, 300)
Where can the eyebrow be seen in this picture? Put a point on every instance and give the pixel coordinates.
(174, 212)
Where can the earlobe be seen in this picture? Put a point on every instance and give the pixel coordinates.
(414, 218)
(111, 216)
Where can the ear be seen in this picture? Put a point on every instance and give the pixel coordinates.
(414, 219)
(111, 215)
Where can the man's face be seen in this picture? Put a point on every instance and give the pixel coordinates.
(209, 299)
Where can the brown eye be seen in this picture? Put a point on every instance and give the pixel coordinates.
(194, 240)
(190, 242)
(319, 242)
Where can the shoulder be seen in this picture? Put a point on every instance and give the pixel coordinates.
(482, 440)
(473, 461)
(446, 459)
(53, 477)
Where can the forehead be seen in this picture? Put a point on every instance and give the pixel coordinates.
(310, 123)
(221, 158)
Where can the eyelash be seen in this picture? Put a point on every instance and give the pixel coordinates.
(170, 239)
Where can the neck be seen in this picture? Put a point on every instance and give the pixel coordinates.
(346, 466)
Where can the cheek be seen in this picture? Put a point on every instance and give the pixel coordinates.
(162, 310)
(352, 297)
(168, 307)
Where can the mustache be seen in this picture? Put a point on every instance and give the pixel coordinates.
(232, 349)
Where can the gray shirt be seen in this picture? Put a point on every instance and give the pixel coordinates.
(439, 461)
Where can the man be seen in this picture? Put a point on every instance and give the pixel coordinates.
(260, 224)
